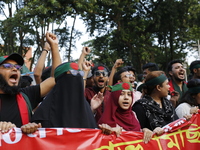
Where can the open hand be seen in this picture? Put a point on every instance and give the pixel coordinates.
(96, 101)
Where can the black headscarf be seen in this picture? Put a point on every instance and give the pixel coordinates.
(65, 105)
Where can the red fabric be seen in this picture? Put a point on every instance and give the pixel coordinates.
(179, 135)
(100, 68)
(23, 109)
(171, 89)
(74, 66)
(126, 86)
(114, 115)
(89, 94)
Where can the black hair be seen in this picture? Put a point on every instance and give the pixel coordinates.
(188, 97)
(169, 66)
(25, 81)
(117, 75)
(130, 68)
(6, 88)
(194, 63)
(151, 66)
(96, 68)
(140, 77)
(193, 83)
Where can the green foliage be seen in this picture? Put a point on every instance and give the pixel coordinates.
(136, 31)
(143, 31)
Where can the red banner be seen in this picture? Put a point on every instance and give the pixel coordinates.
(179, 135)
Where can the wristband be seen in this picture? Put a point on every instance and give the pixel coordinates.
(45, 50)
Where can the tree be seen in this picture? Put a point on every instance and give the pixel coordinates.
(31, 20)
(143, 30)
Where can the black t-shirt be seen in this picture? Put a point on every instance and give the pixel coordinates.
(9, 110)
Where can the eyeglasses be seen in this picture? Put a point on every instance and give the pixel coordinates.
(98, 73)
(128, 75)
(75, 72)
(8, 66)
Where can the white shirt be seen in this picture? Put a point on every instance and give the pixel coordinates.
(183, 109)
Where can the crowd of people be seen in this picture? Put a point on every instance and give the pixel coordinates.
(80, 95)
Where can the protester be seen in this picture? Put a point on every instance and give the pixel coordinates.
(88, 79)
(65, 105)
(41, 64)
(127, 74)
(154, 110)
(140, 78)
(149, 67)
(118, 63)
(195, 69)
(177, 83)
(16, 102)
(118, 112)
(100, 77)
(190, 101)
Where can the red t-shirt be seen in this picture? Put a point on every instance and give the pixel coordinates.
(89, 93)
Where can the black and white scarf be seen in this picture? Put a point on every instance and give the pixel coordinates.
(157, 117)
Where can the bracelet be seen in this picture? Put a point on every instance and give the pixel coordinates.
(45, 50)
(84, 79)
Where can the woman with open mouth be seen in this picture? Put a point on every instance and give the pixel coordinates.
(118, 114)
(154, 110)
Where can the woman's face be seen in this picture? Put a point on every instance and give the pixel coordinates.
(197, 98)
(165, 88)
(125, 99)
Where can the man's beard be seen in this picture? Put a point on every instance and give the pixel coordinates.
(7, 89)
(178, 79)
(97, 86)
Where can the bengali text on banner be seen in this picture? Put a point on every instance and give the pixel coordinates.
(179, 135)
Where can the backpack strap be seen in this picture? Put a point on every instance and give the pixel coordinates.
(28, 104)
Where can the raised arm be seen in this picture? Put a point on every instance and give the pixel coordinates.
(48, 84)
(41, 63)
(117, 64)
(86, 67)
(85, 52)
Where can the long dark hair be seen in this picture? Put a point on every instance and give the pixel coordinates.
(188, 97)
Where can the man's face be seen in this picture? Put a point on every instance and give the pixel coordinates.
(128, 76)
(100, 78)
(197, 72)
(178, 72)
(11, 75)
(146, 72)
(89, 82)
